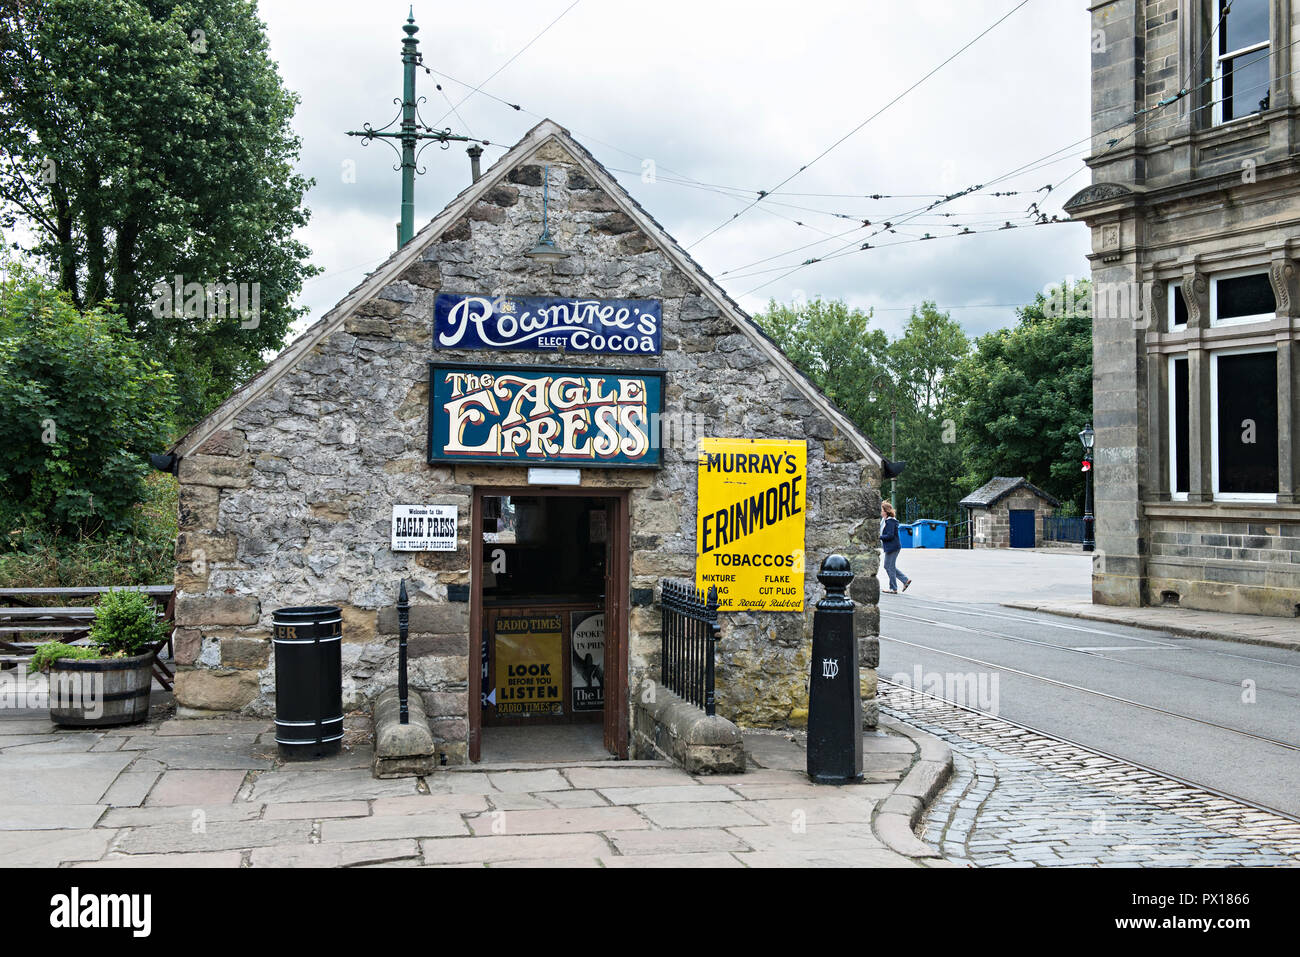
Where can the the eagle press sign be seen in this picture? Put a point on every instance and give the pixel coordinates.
(749, 531)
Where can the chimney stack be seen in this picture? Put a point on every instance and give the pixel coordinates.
(475, 152)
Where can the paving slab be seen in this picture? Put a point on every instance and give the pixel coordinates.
(667, 795)
(817, 810)
(829, 837)
(51, 848)
(284, 786)
(192, 788)
(73, 743)
(181, 838)
(316, 810)
(822, 857)
(210, 752)
(428, 804)
(355, 854)
(12, 724)
(521, 802)
(594, 778)
(529, 781)
(697, 840)
(704, 814)
(190, 816)
(392, 826)
(775, 751)
(58, 778)
(131, 788)
(459, 850)
(673, 861)
(200, 859)
(192, 726)
(575, 798)
(558, 821)
(563, 863)
(42, 817)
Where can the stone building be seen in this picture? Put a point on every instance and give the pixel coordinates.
(1194, 211)
(1008, 513)
(289, 492)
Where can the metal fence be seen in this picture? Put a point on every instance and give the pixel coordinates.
(1062, 529)
(690, 631)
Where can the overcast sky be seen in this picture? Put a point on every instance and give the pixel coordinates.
(731, 95)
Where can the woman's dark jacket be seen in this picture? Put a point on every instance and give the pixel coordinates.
(889, 536)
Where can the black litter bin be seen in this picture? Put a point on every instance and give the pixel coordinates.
(308, 680)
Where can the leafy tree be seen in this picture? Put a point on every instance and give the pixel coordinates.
(81, 406)
(1026, 393)
(838, 350)
(924, 360)
(149, 139)
(865, 374)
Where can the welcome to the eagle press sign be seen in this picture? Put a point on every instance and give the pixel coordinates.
(523, 415)
(543, 324)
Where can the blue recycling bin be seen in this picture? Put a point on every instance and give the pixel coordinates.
(931, 533)
(906, 536)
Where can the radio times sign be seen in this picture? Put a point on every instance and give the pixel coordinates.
(749, 531)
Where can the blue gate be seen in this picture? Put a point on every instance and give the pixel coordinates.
(1022, 527)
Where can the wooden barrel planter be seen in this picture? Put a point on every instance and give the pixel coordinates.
(100, 692)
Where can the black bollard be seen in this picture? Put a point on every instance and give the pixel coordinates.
(403, 619)
(834, 690)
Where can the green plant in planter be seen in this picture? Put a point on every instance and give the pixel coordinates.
(126, 623)
(51, 651)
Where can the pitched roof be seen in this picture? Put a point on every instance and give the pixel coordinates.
(397, 264)
(999, 488)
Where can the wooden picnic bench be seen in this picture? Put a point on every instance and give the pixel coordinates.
(20, 619)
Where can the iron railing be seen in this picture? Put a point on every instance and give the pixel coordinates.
(690, 632)
(1062, 529)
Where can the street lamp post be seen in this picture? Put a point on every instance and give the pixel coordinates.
(1087, 437)
(893, 431)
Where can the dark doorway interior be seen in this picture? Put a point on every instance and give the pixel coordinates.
(544, 582)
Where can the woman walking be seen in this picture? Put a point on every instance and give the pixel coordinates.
(890, 544)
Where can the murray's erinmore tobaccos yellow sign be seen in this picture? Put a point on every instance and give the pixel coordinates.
(749, 530)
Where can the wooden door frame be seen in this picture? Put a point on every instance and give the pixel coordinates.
(617, 604)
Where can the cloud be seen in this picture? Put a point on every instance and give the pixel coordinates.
(739, 95)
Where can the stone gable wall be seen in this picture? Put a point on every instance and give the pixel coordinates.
(291, 505)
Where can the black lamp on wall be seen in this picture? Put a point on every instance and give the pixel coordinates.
(545, 250)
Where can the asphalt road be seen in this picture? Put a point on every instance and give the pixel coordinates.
(1222, 715)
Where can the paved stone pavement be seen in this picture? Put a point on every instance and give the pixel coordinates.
(1249, 629)
(213, 793)
(1021, 799)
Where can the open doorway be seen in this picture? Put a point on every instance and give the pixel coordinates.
(548, 669)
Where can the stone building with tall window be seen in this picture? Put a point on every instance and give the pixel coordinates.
(1194, 211)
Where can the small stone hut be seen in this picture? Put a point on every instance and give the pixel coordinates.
(359, 457)
(1008, 513)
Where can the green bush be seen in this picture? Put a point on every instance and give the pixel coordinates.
(81, 407)
(32, 557)
(126, 623)
(52, 651)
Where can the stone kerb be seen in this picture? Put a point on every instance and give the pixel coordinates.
(665, 726)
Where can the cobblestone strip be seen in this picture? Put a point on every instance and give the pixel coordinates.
(1019, 799)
